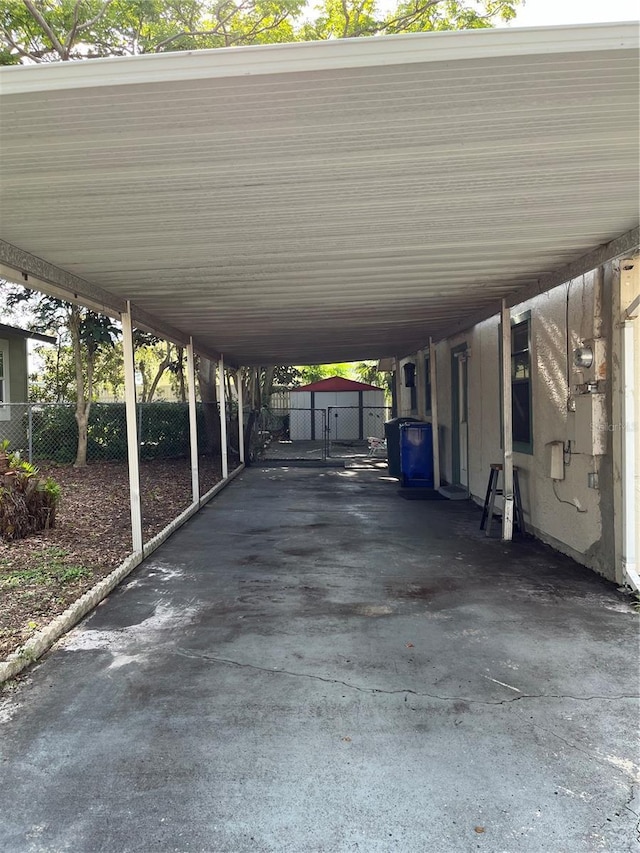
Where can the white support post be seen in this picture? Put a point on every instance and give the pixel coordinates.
(222, 404)
(398, 383)
(507, 433)
(434, 414)
(421, 391)
(630, 472)
(240, 415)
(193, 423)
(132, 430)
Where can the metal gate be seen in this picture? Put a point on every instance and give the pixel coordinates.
(290, 435)
(350, 427)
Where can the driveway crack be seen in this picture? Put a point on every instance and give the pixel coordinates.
(190, 653)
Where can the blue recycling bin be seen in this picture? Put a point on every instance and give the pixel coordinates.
(416, 455)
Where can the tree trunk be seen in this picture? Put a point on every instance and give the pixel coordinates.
(181, 384)
(209, 398)
(164, 364)
(83, 401)
(267, 385)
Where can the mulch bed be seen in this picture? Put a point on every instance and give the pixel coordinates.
(40, 576)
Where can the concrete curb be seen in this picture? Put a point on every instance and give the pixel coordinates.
(42, 640)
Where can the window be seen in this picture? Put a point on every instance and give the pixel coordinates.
(521, 385)
(521, 396)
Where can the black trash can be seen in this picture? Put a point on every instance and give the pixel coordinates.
(392, 435)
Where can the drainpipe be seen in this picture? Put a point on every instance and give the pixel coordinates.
(507, 434)
(193, 423)
(435, 436)
(132, 429)
(598, 296)
(222, 403)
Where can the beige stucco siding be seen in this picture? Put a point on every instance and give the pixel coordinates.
(551, 507)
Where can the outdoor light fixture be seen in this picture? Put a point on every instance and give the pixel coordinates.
(583, 357)
(409, 375)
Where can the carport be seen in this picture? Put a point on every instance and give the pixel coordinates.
(322, 201)
(336, 669)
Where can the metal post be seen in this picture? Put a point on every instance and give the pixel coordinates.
(434, 414)
(193, 422)
(132, 431)
(398, 382)
(507, 432)
(421, 393)
(222, 405)
(240, 414)
(30, 429)
(630, 474)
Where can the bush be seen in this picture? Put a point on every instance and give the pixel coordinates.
(27, 503)
(163, 432)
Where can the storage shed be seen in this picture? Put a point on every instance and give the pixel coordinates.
(350, 410)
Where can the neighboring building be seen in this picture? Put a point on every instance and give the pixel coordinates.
(14, 382)
(576, 434)
(351, 410)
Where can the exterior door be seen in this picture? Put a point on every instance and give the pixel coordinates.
(459, 412)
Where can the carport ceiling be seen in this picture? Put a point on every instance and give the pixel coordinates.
(325, 201)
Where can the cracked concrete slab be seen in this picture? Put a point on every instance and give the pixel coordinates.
(314, 664)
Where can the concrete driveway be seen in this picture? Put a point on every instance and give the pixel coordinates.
(315, 664)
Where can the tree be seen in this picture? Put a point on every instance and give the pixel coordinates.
(54, 381)
(86, 333)
(50, 30)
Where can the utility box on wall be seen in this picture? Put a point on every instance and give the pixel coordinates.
(590, 424)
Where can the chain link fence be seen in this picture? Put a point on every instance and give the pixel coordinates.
(290, 434)
(48, 432)
(349, 428)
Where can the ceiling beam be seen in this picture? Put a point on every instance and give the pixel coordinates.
(34, 273)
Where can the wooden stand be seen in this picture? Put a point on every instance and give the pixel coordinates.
(490, 500)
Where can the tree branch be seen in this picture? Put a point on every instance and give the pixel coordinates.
(95, 19)
(53, 38)
(21, 50)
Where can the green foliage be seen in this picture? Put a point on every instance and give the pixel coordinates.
(55, 379)
(51, 569)
(163, 430)
(27, 504)
(48, 30)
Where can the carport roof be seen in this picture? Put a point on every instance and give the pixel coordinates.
(323, 201)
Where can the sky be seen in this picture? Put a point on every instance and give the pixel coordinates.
(546, 13)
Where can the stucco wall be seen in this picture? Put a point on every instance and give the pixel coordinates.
(549, 512)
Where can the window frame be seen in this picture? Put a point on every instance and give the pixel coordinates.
(517, 320)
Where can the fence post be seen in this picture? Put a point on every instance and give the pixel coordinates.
(193, 423)
(222, 406)
(30, 430)
(240, 415)
(132, 429)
